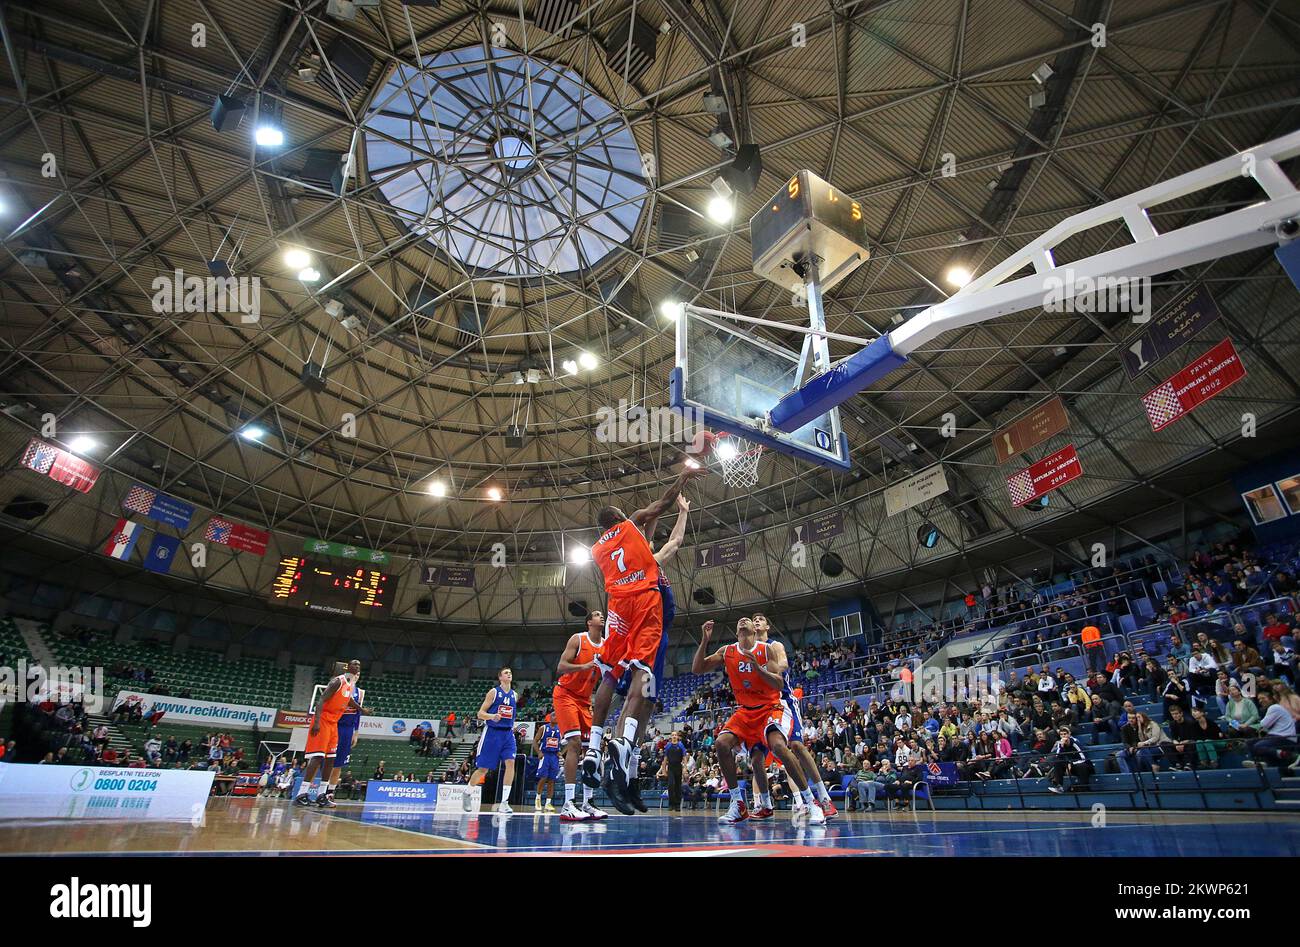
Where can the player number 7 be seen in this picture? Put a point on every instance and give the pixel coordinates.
(617, 555)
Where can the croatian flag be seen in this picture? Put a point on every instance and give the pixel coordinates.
(123, 539)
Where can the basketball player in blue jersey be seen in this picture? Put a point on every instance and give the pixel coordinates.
(349, 727)
(662, 556)
(547, 745)
(801, 752)
(497, 746)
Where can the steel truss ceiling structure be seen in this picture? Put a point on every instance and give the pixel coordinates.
(504, 217)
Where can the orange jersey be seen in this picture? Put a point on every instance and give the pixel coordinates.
(750, 689)
(625, 559)
(581, 683)
(340, 703)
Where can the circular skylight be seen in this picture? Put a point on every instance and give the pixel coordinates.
(508, 163)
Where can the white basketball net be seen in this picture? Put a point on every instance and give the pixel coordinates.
(739, 467)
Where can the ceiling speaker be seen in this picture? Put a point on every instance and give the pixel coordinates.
(703, 596)
(743, 173)
(832, 565)
(227, 113)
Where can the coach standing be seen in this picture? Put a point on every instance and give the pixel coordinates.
(674, 754)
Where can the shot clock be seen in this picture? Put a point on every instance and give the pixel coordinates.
(808, 218)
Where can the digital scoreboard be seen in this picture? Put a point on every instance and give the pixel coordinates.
(808, 218)
(328, 587)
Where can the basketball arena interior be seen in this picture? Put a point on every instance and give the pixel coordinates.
(931, 363)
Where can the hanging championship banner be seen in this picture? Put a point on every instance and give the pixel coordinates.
(1212, 374)
(822, 526)
(237, 536)
(459, 577)
(1171, 330)
(158, 506)
(58, 464)
(929, 483)
(729, 553)
(1045, 476)
(1047, 420)
(322, 547)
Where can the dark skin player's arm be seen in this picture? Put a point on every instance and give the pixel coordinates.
(706, 662)
(565, 665)
(645, 519)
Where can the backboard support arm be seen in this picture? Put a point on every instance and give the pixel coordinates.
(1268, 222)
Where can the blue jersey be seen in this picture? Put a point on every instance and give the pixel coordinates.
(670, 603)
(352, 719)
(550, 739)
(786, 693)
(503, 703)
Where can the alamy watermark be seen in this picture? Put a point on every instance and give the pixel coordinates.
(635, 424)
(916, 684)
(181, 293)
(1073, 293)
(36, 683)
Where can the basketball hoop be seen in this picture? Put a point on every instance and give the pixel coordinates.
(739, 467)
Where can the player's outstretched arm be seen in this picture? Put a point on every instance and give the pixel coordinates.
(702, 662)
(669, 549)
(661, 506)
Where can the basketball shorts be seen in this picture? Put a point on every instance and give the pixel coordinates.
(749, 725)
(496, 746)
(634, 626)
(549, 766)
(572, 713)
(656, 673)
(324, 742)
(344, 751)
(791, 710)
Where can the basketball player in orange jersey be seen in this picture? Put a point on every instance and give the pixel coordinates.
(761, 722)
(323, 737)
(571, 696)
(795, 737)
(633, 629)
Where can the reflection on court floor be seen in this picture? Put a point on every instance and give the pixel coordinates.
(272, 827)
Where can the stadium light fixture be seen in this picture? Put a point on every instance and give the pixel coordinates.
(83, 444)
(579, 553)
(671, 309)
(587, 360)
(296, 258)
(309, 275)
(727, 450)
(268, 136)
(494, 494)
(958, 276)
(438, 489)
(722, 206)
(253, 432)
(570, 366)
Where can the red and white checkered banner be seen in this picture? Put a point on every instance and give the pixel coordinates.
(58, 464)
(237, 536)
(1045, 476)
(1213, 373)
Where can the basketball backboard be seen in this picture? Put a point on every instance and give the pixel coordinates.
(732, 379)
